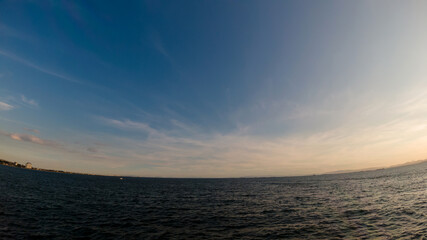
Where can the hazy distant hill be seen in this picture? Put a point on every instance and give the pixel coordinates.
(378, 168)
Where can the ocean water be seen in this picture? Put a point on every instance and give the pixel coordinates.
(384, 204)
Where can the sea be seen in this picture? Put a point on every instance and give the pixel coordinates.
(381, 204)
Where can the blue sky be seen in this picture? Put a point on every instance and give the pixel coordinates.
(213, 88)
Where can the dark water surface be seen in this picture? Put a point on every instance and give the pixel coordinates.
(387, 204)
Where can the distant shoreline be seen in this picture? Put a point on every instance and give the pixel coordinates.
(375, 169)
(18, 165)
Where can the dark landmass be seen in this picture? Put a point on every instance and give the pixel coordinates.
(18, 165)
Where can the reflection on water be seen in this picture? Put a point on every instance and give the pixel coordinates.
(379, 204)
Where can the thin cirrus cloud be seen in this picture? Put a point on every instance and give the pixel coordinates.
(32, 130)
(130, 125)
(92, 150)
(5, 107)
(30, 138)
(66, 149)
(28, 101)
(42, 69)
(18, 102)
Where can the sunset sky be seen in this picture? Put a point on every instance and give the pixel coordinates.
(213, 88)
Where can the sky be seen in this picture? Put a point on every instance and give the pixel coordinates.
(213, 88)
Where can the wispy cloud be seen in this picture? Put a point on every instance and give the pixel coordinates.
(31, 102)
(4, 106)
(32, 130)
(30, 138)
(10, 32)
(92, 150)
(183, 126)
(17, 102)
(159, 46)
(36, 67)
(130, 125)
